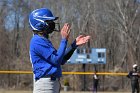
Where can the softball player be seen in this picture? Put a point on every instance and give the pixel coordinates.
(46, 60)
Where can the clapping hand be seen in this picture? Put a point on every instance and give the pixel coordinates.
(82, 39)
(65, 31)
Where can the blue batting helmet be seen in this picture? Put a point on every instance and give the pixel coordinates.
(38, 18)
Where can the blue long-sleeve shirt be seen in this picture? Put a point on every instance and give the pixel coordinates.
(45, 59)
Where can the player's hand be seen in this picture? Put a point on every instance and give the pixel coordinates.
(82, 39)
(65, 31)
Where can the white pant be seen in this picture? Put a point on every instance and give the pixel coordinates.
(46, 85)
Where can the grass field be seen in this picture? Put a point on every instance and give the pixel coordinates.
(4, 91)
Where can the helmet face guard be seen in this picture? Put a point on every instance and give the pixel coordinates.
(52, 26)
(43, 20)
(57, 27)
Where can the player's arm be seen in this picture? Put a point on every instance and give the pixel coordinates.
(69, 51)
(129, 74)
(58, 57)
(80, 40)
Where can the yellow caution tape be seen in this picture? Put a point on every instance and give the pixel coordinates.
(65, 73)
(91, 73)
(16, 72)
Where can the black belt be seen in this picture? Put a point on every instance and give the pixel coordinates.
(52, 78)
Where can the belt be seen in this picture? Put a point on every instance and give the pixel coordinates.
(52, 78)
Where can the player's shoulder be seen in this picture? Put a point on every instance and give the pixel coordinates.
(37, 38)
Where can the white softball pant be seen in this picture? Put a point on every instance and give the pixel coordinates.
(46, 85)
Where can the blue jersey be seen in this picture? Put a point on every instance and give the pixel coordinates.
(45, 59)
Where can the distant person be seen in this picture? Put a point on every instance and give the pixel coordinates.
(95, 82)
(134, 77)
(46, 60)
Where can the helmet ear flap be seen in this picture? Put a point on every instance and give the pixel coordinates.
(41, 26)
